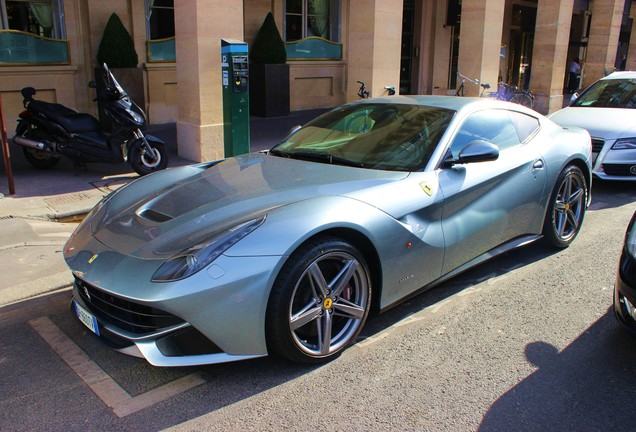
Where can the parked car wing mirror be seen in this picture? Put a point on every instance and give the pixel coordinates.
(475, 151)
(574, 97)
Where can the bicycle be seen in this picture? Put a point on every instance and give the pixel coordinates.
(463, 78)
(524, 97)
(516, 95)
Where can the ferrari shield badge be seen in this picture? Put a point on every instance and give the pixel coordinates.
(428, 190)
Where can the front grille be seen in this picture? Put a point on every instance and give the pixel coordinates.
(618, 170)
(597, 144)
(124, 314)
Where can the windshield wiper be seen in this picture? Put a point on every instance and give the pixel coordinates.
(317, 157)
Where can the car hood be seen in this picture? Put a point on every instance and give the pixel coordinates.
(606, 123)
(167, 212)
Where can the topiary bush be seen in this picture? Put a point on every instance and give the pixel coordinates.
(117, 49)
(268, 46)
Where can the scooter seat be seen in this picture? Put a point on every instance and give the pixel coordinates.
(69, 119)
(79, 123)
(49, 109)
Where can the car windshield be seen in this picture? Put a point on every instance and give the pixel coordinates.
(612, 93)
(396, 137)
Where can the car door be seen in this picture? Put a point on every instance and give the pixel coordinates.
(489, 203)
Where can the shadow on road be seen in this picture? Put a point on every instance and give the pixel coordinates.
(611, 194)
(589, 385)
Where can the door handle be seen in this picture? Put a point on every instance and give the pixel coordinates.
(538, 165)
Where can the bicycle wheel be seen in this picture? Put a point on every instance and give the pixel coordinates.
(523, 99)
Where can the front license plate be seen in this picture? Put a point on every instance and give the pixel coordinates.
(86, 318)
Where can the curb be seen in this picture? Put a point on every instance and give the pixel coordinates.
(18, 293)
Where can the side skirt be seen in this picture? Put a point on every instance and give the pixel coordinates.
(512, 244)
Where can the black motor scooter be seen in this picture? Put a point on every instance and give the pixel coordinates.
(46, 131)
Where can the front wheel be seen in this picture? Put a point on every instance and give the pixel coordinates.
(566, 208)
(319, 302)
(144, 162)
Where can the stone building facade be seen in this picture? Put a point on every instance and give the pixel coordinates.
(416, 46)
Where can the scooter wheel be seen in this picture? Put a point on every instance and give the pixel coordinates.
(39, 158)
(144, 163)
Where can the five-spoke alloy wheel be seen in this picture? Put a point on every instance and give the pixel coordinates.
(319, 302)
(566, 208)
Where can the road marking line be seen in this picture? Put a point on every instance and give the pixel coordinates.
(368, 341)
(408, 320)
(159, 394)
(105, 387)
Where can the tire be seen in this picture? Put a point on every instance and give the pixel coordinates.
(143, 163)
(39, 158)
(319, 302)
(523, 99)
(566, 208)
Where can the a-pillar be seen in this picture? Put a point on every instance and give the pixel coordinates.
(603, 42)
(549, 54)
(480, 42)
(375, 41)
(199, 27)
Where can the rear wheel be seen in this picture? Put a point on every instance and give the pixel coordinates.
(566, 208)
(39, 158)
(144, 162)
(319, 302)
(523, 99)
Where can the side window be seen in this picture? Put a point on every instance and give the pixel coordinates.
(524, 124)
(494, 126)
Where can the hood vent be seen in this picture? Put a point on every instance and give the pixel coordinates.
(155, 216)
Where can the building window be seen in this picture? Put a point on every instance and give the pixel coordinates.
(312, 18)
(43, 18)
(160, 19)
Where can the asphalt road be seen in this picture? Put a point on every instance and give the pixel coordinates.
(526, 342)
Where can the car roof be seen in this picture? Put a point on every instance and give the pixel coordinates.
(455, 103)
(621, 75)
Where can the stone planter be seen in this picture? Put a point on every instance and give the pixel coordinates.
(269, 90)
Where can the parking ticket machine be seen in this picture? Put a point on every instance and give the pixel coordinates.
(236, 101)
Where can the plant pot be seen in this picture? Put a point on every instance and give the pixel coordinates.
(269, 90)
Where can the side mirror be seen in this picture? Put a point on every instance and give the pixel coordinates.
(574, 97)
(475, 151)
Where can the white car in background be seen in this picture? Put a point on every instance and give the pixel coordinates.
(607, 109)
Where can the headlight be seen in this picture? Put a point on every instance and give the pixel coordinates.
(625, 144)
(191, 260)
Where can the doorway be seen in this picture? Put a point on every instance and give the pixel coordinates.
(524, 18)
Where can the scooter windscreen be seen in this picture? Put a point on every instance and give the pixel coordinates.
(112, 86)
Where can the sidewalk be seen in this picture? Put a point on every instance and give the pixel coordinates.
(31, 242)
